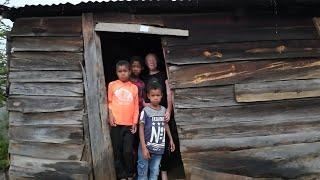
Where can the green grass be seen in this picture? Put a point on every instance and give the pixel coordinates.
(4, 162)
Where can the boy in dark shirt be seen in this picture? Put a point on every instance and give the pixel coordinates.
(152, 129)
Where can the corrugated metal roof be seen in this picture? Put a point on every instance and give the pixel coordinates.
(20, 3)
(36, 8)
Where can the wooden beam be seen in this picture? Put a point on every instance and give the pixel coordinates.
(137, 28)
(277, 90)
(102, 154)
(316, 21)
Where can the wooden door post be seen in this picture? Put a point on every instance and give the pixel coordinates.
(101, 147)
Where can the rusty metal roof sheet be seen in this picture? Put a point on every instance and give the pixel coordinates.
(31, 8)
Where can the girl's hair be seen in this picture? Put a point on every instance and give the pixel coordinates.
(136, 59)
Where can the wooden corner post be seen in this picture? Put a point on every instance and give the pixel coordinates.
(101, 147)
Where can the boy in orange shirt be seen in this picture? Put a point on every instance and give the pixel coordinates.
(123, 104)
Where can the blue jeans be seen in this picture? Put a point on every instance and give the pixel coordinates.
(153, 164)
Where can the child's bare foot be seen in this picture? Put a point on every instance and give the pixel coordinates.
(164, 175)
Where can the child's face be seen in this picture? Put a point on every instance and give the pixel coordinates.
(151, 63)
(123, 73)
(155, 96)
(136, 68)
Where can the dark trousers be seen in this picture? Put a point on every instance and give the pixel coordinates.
(171, 161)
(122, 142)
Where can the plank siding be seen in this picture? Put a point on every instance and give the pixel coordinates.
(33, 61)
(46, 100)
(246, 95)
(241, 51)
(36, 168)
(65, 117)
(215, 28)
(41, 150)
(243, 72)
(45, 76)
(73, 44)
(277, 90)
(47, 26)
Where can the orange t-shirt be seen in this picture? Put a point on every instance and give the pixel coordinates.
(123, 101)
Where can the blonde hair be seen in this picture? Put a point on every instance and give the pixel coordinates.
(152, 55)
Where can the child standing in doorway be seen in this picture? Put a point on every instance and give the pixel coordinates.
(123, 104)
(136, 69)
(170, 161)
(152, 130)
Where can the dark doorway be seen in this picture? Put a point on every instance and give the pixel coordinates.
(123, 46)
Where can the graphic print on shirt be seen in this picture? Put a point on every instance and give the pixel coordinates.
(157, 133)
(154, 131)
(124, 96)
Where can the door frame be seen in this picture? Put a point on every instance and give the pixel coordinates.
(95, 88)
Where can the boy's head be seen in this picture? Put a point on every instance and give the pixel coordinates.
(154, 92)
(136, 65)
(151, 62)
(123, 70)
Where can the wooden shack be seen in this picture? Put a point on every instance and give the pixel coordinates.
(245, 75)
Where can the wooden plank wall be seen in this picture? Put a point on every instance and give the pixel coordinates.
(246, 94)
(46, 100)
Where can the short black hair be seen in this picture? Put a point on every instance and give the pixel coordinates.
(136, 59)
(154, 85)
(123, 63)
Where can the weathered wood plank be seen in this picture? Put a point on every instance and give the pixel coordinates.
(35, 168)
(137, 28)
(67, 134)
(243, 72)
(29, 104)
(33, 61)
(223, 52)
(248, 120)
(215, 28)
(47, 26)
(316, 21)
(73, 44)
(46, 89)
(287, 161)
(201, 174)
(45, 76)
(205, 97)
(47, 150)
(61, 118)
(241, 143)
(277, 90)
(110, 17)
(102, 156)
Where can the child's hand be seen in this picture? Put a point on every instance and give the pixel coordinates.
(172, 146)
(112, 121)
(145, 153)
(167, 116)
(133, 129)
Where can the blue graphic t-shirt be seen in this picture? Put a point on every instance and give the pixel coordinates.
(154, 132)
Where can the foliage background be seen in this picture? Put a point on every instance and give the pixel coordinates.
(3, 84)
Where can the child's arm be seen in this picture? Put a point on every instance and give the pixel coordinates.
(145, 152)
(172, 146)
(109, 100)
(136, 111)
(169, 101)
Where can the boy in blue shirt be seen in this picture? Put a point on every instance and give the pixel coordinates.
(152, 130)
